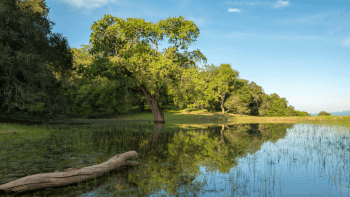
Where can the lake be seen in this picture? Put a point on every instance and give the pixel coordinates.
(216, 159)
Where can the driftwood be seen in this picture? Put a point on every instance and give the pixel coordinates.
(68, 176)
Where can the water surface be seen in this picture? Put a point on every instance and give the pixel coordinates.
(224, 159)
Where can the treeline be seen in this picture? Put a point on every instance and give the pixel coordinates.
(30, 54)
(212, 88)
(43, 76)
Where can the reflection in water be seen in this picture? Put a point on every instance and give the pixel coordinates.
(226, 160)
(309, 161)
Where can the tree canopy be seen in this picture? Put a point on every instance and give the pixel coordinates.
(221, 84)
(126, 49)
(121, 67)
(28, 58)
(323, 113)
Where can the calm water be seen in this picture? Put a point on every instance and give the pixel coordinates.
(223, 160)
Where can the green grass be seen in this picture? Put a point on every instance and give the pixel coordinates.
(174, 116)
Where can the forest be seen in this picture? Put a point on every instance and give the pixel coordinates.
(121, 69)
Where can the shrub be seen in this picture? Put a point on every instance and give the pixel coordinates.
(302, 113)
(323, 113)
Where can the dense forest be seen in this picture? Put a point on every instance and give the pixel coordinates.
(120, 69)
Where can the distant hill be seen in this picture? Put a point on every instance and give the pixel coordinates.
(342, 113)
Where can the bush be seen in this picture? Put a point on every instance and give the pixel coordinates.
(302, 113)
(323, 113)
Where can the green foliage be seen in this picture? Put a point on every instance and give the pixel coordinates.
(136, 58)
(240, 98)
(187, 91)
(119, 68)
(125, 50)
(221, 84)
(239, 102)
(290, 111)
(206, 88)
(97, 98)
(257, 95)
(323, 113)
(28, 57)
(277, 108)
(302, 113)
(274, 106)
(95, 95)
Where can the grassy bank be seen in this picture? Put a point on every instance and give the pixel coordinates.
(173, 117)
(183, 115)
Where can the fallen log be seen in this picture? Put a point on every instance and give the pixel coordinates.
(68, 176)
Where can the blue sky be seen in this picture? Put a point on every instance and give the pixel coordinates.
(298, 49)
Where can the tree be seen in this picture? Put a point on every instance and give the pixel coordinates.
(302, 113)
(274, 105)
(265, 105)
(267, 102)
(221, 84)
(239, 102)
(28, 58)
(289, 111)
(277, 108)
(96, 96)
(191, 89)
(257, 95)
(323, 113)
(124, 53)
(33, 6)
(209, 87)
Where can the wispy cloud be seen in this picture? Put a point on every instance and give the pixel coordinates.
(281, 4)
(89, 4)
(276, 5)
(197, 21)
(234, 10)
(346, 42)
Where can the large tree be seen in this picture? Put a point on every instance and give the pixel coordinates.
(239, 101)
(93, 96)
(274, 105)
(127, 51)
(208, 87)
(221, 84)
(257, 95)
(29, 57)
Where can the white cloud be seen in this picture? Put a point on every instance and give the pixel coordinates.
(89, 4)
(280, 4)
(346, 42)
(234, 10)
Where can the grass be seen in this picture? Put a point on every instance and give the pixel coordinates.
(196, 118)
(172, 115)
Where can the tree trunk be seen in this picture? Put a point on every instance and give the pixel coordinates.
(141, 105)
(222, 104)
(68, 176)
(153, 141)
(152, 101)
